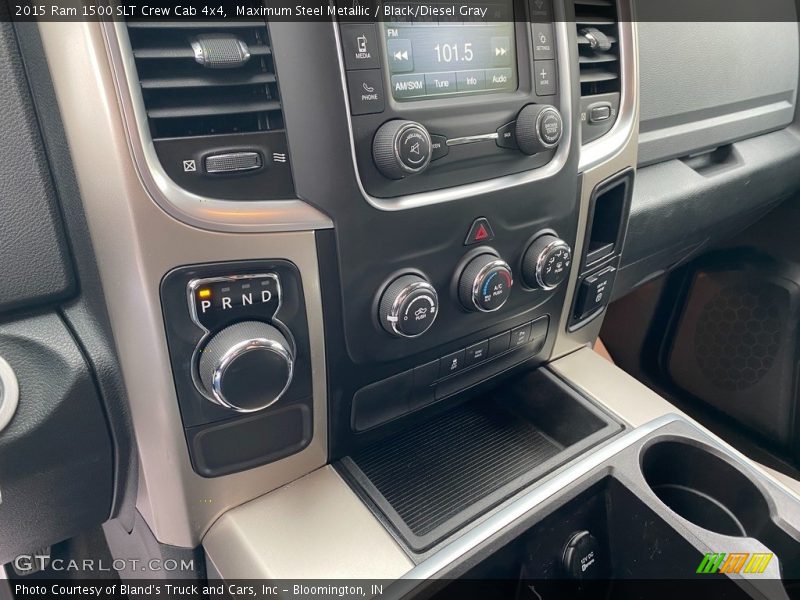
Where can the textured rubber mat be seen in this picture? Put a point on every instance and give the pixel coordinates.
(434, 472)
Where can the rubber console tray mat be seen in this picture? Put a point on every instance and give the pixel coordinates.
(432, 478)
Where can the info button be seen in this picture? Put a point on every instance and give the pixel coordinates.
(440, 83)
(471, 81)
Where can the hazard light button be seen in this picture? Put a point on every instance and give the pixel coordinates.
(480, 232)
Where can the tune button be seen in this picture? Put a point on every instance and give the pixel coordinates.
(408, 306)
(485, 283)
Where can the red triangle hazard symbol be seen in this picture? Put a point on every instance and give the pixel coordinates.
(481, 234)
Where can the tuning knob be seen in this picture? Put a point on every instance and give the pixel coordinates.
(408, 306)
(485, 283)
(246, 367)
(539, 128)
(546, 262)
(401, 148)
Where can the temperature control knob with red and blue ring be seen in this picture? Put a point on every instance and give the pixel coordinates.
(485, 283)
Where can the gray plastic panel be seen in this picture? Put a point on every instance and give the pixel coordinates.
(707, 84)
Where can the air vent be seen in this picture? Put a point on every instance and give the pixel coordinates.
(599, 65)
(206, 78)
(598, 48)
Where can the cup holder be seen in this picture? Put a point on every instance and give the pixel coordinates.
(705, 489)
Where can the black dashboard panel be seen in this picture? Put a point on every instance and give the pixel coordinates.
(371, 246)
(34, 257)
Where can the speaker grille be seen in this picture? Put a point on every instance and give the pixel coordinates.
(738, 335)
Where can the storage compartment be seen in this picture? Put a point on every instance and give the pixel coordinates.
(594, 546)
(608, 214)
(707, 490)
(433, 478)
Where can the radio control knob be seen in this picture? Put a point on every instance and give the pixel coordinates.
(546, 262)
(485, 283)
(408, 306)
(401, 148)
(539, 128)
(246, 367)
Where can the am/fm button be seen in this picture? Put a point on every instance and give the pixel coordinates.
(408, 86)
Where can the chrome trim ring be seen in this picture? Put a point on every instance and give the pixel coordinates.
(543, 257)
(471, 139)
(476, 283)
(235, 352)
(9, 393)
(396, 145)
(394, 314)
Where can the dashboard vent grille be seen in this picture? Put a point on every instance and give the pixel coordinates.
(206, 78)
(598, 47)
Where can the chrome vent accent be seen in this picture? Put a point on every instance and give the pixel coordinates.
(206, 77)
(598, 46)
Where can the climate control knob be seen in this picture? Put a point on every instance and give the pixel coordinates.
(546, 262)
(539, 128)
(246, 367)
(401, 148)
(485, 283)
(408, 307)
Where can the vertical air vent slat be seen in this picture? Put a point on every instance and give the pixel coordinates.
(192, 85)
(598, 47)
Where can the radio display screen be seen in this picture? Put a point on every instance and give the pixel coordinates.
(440, 52)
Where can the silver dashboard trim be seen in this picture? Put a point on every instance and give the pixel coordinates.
(200, 211)
(490, 185)
(611, 143)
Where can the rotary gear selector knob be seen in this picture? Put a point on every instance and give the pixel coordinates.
(247, 366)
(485, 283)
(538, 128)
(546, 262)
(408, 306)
(401, 148)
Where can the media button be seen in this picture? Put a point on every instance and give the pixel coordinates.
(360, 45)
(366, 91)
(401, 59)
(440, 83)
(408, 86)
(471, 81)
(498, 78)
(501, 51)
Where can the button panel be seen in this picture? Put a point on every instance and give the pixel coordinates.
(416, 388)
(595, 293)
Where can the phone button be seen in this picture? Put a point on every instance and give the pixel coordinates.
(366, 91)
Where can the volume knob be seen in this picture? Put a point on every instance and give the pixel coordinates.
(246, 367)
(401, 148)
